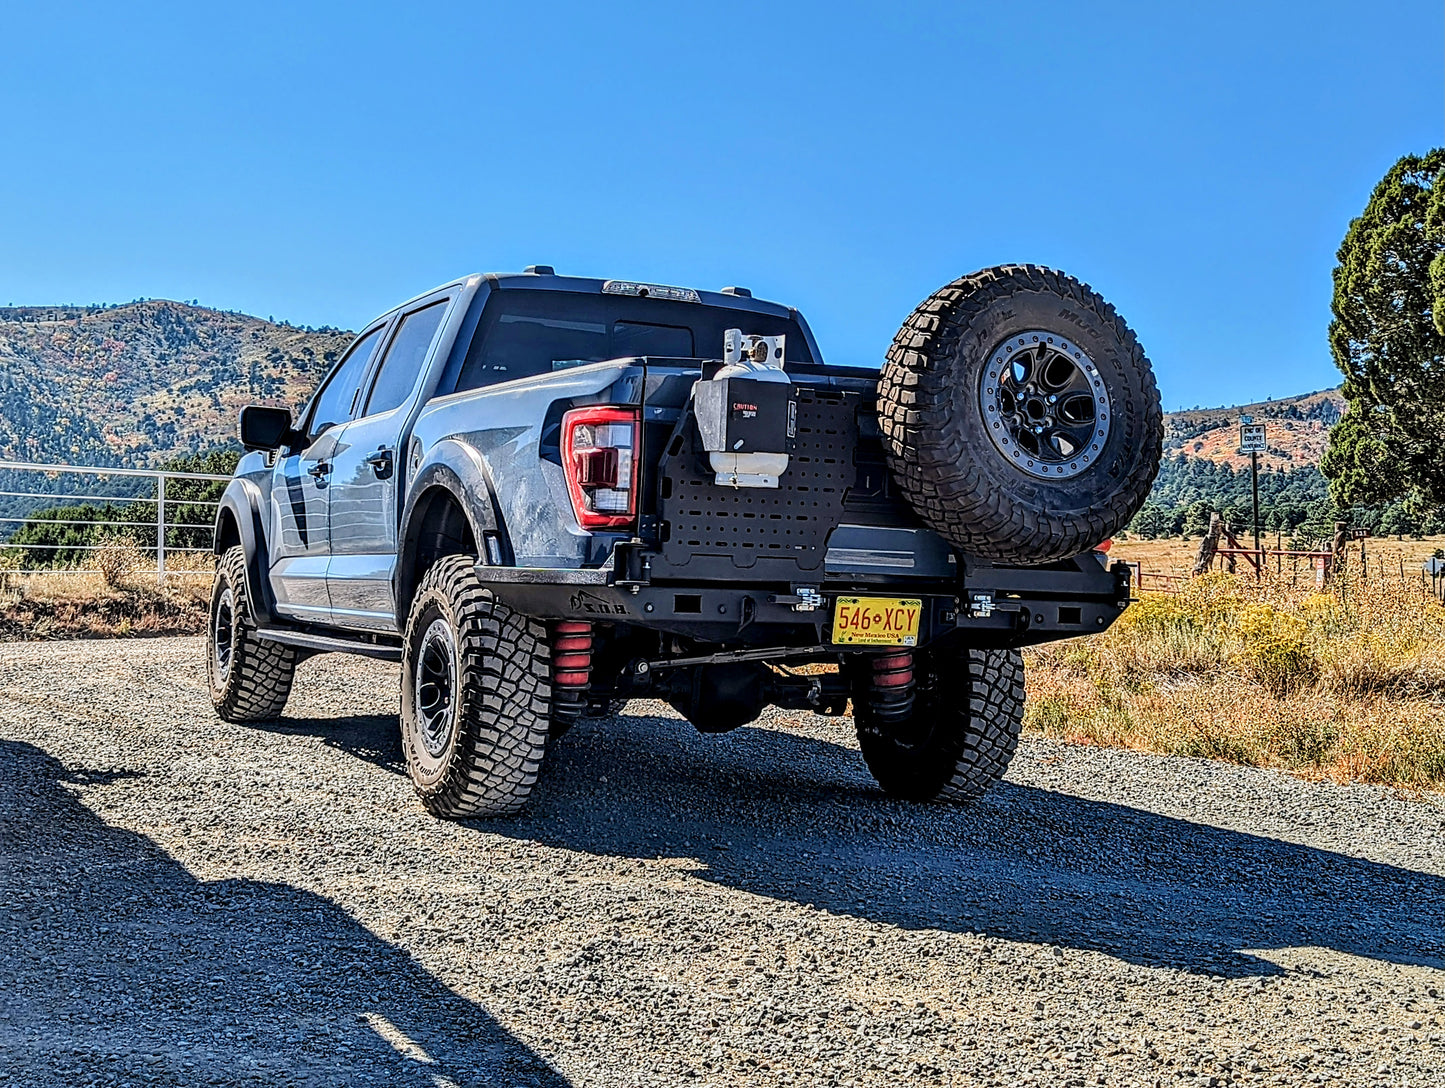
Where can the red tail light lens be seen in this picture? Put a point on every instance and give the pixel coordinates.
(597, 455)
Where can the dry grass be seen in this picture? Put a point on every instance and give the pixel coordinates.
(1348, 684)
(119, 595)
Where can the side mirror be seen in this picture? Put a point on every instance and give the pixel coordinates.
(265, 428)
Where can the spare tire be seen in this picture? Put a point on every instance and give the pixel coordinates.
(1020, 415)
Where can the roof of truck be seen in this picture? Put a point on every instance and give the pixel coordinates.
(546, 280)
(550, 281)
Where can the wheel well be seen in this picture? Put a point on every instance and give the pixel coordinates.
(228, 532)
(439, 528)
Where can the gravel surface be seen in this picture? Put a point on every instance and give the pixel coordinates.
(188, 902)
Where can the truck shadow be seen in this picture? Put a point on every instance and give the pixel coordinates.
(117, 961)
(799, 819)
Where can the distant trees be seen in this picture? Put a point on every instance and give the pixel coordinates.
(1388, 339)
(1296, 503)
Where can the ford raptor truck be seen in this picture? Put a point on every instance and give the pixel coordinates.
(544, 495)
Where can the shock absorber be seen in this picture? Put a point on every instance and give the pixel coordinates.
(890, 687)
(571, 668)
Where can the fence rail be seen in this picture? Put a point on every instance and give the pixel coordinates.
(75, 493)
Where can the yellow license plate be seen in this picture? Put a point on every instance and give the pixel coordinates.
(876, 621)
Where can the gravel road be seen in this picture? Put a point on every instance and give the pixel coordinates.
(188, 902)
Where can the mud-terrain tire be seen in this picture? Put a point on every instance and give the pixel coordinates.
(983, 454)
(475, 696)
(249, 677)
(958, 741)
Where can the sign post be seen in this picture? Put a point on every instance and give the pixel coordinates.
(1253, 441)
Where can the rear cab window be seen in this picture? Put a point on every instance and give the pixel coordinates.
(524, 333)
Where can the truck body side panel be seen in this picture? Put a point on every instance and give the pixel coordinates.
(514, 429)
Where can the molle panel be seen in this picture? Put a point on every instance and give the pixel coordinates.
(779, 533)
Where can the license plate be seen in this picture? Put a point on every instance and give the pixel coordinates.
(876, 621)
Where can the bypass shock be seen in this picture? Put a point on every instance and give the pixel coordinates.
(890, 685)
(571, 668)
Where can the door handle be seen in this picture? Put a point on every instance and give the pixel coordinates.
(320, 469)
(380, 462)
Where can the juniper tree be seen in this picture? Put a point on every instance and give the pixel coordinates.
(1388, 338)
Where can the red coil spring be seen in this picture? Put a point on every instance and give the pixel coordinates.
(890, 691)
(894, 670)
(571, 654)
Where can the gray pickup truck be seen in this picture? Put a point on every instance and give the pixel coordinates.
(545, 495)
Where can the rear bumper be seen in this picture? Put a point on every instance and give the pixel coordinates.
(988, 605)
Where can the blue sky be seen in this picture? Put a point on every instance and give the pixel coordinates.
(319, 162)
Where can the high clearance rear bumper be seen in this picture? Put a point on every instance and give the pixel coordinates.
(987, 605)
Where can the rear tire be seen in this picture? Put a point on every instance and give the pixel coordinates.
(962, 732)
(475, 696)
(249, 676)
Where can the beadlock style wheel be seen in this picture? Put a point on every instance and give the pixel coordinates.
(223, 633)
(436, 687)
(1044, 404)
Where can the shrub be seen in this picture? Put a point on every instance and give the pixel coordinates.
(116, 558)
(1274, 649)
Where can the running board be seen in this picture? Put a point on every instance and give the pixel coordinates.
(330, 644)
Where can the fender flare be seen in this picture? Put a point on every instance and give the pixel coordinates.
(458, 470)
(241, 503)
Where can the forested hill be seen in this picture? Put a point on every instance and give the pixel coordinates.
(141, 383)
(1203, 471)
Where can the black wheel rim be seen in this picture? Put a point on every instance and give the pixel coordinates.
(1044, 404)
(223, 633)
(436, 687)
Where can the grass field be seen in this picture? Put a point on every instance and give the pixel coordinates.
(119, 596)
(1175, 555)
(1346, 684)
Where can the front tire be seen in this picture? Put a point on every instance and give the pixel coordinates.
(475, 696)
(249, 676)
(961, 734)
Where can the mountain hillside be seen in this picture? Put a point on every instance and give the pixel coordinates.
(144, 382)
(1298, 431)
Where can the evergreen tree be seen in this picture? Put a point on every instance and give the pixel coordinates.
(1388, 338)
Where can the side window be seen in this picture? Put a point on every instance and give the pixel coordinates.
(404, 358)
(337, 399)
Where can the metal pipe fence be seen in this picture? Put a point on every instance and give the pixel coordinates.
(62, 486)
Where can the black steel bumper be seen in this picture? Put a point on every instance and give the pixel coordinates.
(989, 605)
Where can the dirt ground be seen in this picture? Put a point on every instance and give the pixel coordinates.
(186, 902)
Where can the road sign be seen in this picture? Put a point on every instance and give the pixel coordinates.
(1359, 534)
(1252, 439)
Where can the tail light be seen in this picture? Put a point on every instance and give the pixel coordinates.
(597, 456)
